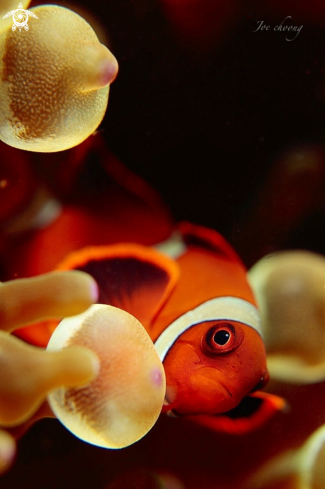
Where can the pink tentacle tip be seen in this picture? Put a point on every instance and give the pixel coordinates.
(109, 71)
(7, 450)
(156, 377)
(94, 291)
(96, 365)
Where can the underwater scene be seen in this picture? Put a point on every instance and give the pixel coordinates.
(162, 244)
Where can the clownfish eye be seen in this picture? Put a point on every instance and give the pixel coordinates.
(221, 338)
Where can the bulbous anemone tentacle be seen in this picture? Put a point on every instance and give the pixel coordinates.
(300, 468)
(289, 288)
(54, 81)
(124, 401)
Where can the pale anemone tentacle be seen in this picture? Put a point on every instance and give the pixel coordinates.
(28, 373)
(51, 295)
(302, 468)
(124, 401)
(174, 246)
(290, 291)
(54, 81)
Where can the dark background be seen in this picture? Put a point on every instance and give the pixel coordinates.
(207, 115)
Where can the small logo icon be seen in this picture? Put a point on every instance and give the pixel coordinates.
(20, 18)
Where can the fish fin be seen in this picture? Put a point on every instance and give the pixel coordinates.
(132, 277)
(195, 235)
(253, 412)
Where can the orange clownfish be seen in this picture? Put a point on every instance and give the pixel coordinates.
(192, 296)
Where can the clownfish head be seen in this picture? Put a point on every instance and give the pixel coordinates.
(213, 357)
(213, 364)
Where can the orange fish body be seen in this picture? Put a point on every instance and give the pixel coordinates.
(199, 310)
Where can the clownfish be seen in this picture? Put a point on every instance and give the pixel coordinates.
(190, 292)
(192, 296)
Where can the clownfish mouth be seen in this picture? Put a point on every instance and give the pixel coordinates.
(251, 413)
